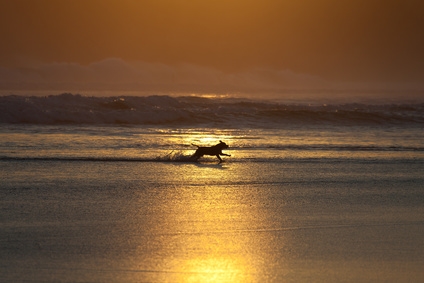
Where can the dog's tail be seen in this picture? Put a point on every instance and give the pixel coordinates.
(195, 145)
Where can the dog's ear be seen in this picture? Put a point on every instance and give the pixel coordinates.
(220, 141)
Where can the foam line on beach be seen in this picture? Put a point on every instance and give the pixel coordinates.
(91, 159)
(309, 227)
(186, 159)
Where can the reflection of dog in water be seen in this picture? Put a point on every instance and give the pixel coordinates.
(210, 150)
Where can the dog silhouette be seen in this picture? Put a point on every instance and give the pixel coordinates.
(210, 150)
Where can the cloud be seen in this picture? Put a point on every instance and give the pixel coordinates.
(114, 76)
(117, 74)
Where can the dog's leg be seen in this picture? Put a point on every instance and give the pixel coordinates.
(223, 154)
(194, 157)
(220, 160)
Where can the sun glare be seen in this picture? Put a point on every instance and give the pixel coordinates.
(212, 249)
(216, 270)
(208, 232)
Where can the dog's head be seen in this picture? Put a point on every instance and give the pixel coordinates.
(222, 145)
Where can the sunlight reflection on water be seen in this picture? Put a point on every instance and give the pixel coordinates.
(285, 207)
(206, 223)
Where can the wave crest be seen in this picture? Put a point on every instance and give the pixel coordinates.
(166, 110)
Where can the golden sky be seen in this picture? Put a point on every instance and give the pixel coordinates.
(336, 40)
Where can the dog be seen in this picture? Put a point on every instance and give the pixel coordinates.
(210, 150)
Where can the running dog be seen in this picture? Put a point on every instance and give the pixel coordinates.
(210, 150)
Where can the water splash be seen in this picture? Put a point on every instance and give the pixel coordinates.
(175, 155)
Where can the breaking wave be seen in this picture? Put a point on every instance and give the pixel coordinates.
(191, 111)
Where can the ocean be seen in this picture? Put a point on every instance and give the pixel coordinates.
(102, 189)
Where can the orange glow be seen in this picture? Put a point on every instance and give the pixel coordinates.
(211, 248)
(367, 40)
(209, 233)
(217, 270)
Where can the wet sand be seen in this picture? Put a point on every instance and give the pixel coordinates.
(303, 221)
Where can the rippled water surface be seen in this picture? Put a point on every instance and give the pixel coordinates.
(121, 204)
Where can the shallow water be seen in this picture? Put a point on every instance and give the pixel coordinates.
(138, 143)
(92, 204)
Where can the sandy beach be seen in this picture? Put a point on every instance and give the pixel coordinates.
(294, 221)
